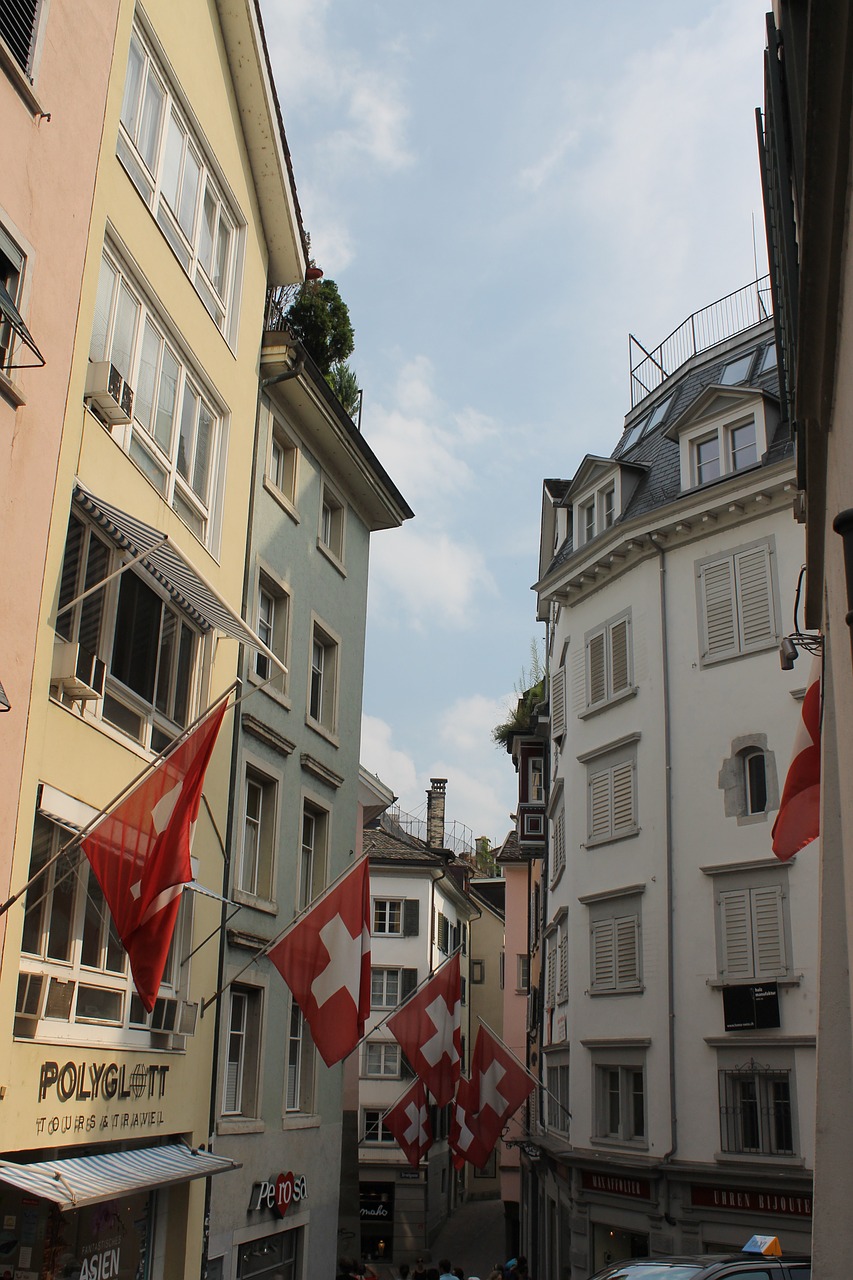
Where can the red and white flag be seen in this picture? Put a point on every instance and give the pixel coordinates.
(140, 854)
(464, 1138)
(325, 960)
(408, 1120)
(428, 1030)
(798, 820)
(499, 1085)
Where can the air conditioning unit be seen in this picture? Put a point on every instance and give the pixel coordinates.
(107, 390)
(29, 1006)
(79, 673)
(164, 1014)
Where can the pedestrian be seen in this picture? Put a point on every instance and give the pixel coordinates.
(459, 1273)
(403, 1271)
(419, 1272)
(444, 1268)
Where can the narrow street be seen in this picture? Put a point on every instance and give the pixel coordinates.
(473, 1239)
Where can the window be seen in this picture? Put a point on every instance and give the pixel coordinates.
(272, 623)
(608, 661)
(563, 967)
(522, 973)
(299, 1086)
(372, 1128)
(478, 971)
(242, 1055)
(149, 648)
(588, 520)
(621, 1103)
(754, 781)
(726, 449)
(442, 932)
(257, 854)
(755, 1110)
(558, 846)
(282, 462)
(611, 795)
(323, 681)
(768, 359)
(752, 933)
(551, 962)
(273, 1257)
(558, 702)
(18, 25)
(313, 853)
(614, 953)
(389, 987)
(748, 780)
(535, 780)
(160, 148)
(397, 916)
(736, 370)
(175, 437)
(737, 610)
(332, 524)
(606, 507)
(12, 328)
(558, 1095)
(381, 1059)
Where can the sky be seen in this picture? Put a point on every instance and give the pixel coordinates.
(502, 195)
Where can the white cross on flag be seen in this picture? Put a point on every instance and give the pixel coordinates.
(408, 1120)
(140, 854)
(325, 960)
(464, 1139)
(428, 1030)
(499, 1085)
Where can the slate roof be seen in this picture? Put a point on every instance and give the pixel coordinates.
(384, 840)
(661, 482)
(510, 850)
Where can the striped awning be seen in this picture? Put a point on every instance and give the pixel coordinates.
(82, 1180)
(168, 565)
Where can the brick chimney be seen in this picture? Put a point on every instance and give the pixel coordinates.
(435, 813)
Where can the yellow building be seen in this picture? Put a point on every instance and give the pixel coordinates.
(193, 215)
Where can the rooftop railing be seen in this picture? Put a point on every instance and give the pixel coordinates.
(723, 319)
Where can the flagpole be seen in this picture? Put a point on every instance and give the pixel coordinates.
(102, 813)
(536, 1080)
(315, 902)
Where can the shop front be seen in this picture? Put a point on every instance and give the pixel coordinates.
(377, 1220)
(727, 1214)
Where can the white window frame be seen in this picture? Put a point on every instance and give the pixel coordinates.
(738, 602)
(300, 1078)
(381, 1060)
(314, 843)
(331, 536)
(324, 669)
(608, 661)
(615, 1108)
(189, 415)
(273, 598)
(281, 475)
(373, 1131)
(193, 231)
(386, 917)
(260, 821)
(242, 1054)
(593, 514)
(720, 428)
(745, 1083)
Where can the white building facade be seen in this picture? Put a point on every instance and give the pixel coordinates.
(679, 984)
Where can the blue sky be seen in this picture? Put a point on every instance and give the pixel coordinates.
(501, 200)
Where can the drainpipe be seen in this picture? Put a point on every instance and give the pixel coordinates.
(670, 956)
(298, 368)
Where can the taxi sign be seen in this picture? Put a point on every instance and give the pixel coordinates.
(768, 1245)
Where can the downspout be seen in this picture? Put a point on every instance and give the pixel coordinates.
(298, 368)
(670, 956)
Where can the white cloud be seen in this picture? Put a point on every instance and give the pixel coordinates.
(378, 754)
(435, 579)
(469, 722)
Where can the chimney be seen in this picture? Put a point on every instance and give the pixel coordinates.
(435, 813)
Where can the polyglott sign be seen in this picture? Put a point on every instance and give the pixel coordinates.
(279, 1193)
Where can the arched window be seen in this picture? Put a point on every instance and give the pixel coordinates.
(754, 781)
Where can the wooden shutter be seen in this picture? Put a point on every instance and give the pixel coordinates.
(718, 603)
(599, 805)
(768, 932)
(563, 984)
(757, 623)
(603, 961)
(624, 818)
(411, 918)
(736, 930)
(558, 702)
(627, 930)
(408, 982)
(552, 977)
(596, 672)
(619, 656)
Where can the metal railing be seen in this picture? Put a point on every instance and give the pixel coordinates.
(722, 319)
(457, 836)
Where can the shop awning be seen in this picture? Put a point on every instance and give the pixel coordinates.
(82, 1180)
(155, 551)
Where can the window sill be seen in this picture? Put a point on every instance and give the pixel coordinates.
(720, 984)
(239, 1124)
(246, 899)
(617, 991)
(758, 1157)
(282, 499)
(20, 81)
(609, 702)
(601, 840)
(10, 391)
(300, 1122)
(331, 557)
(323, 731)
(263, 687)
(626, 1144)
(706, 661)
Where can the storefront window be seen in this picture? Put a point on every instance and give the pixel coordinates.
(272, 1257)
(106, 1241)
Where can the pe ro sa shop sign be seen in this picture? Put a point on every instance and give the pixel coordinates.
(280, 1193)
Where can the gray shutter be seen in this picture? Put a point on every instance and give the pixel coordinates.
(736, 931)
(624, 817)
(558, 702)
(757, 624)
(411, 917)
(600, 807)
(620, 673)
(627, 952)
(596, 674)
(552, 977)
(408, 982)
(768, 933)
(603, 960)
(718, 604)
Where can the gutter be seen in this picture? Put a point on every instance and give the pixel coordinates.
(670, 951)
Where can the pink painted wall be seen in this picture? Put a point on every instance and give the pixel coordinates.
(515, 1003)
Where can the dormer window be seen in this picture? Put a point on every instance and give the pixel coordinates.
(736, 371)
(607, 504)
(596, 512)
(588, 514)
(726, 449)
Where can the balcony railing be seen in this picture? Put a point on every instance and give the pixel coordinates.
(723, 319)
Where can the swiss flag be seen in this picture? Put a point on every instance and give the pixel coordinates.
(428, 1030)
(140, 854)
(325, 960)
(408, 1120)
(798, 820)
(499, 1085)
(464, 1140)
